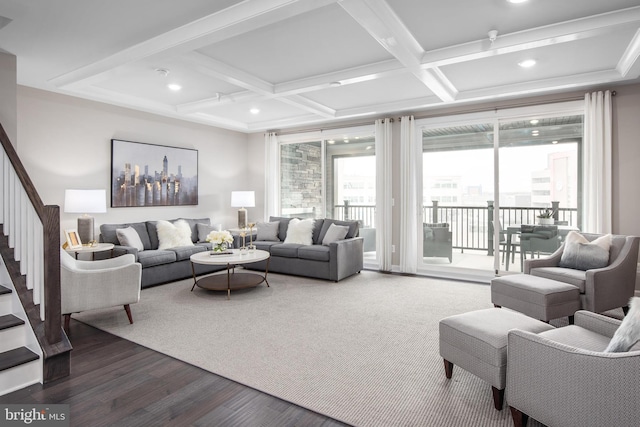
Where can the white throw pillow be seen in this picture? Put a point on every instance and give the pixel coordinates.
(580, 254)
(129, 237)
(628, 333)
(335, 233)
(300, 231)
(173, 235)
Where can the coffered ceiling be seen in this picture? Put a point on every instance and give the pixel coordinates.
(306, 62)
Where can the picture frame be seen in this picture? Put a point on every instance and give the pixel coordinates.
(73, 239)
(144, 175)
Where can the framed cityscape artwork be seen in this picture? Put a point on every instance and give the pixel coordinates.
(152, 175)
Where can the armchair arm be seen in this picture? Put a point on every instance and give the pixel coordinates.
(345, 258)
(103, 264)
(612, 286)
(551, 261)
(597, 323)
(562, 385)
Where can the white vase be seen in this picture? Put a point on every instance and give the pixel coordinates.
(546, 221)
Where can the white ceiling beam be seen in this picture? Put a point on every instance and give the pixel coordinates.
(629, 59)
(564, 32)
(237, 19)
(308, 105)
(344, 77)
(220, 100)
(382, 23)
(222, 71)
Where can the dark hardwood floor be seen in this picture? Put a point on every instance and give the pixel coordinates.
(115, 382)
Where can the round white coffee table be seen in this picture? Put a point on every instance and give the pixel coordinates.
(98, 247)
(231, 280)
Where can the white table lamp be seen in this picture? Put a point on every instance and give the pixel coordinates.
(85, 202)
(242, 200)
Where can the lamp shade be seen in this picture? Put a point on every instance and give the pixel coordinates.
(243, 199)
(85, 201)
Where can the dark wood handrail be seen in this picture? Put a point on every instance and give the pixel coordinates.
(50, 218)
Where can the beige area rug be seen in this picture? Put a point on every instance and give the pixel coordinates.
(363, 351)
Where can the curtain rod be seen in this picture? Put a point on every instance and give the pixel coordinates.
(439, 113)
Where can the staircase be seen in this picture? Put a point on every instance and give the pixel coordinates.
(20, 354)
(33, 347)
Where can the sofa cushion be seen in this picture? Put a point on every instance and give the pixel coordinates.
(335, 233)
(193, 224)
(286, 250)
(314, 252)
(108, 233)
(129, 237)
(204, 230)
(300, 231)
(574, 277)
(173, 235)
(284, 224)
(265, 246)
(268, 231)
(152, 257)
(353, 228)
(184, 252)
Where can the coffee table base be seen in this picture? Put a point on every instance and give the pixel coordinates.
(229, 281)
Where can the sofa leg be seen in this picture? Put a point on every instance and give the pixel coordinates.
(497, 306)
(128, 310)
(625, 309)
(519, 418)
(498, 398)
(448, 368)
(571, 319)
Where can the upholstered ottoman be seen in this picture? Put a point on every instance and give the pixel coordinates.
(540, 298)
(477, 342)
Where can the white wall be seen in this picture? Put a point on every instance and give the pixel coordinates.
(65, 142)
(8, 109)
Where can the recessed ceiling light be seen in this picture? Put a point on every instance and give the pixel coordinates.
(162, 71)
(534, 121)
(174, 87)
(254, 110)
(335, 84)
(527, 63)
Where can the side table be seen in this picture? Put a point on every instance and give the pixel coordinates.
(98, 247)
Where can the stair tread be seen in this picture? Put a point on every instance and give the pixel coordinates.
(4, 290)
(18, 356)
(9, 321)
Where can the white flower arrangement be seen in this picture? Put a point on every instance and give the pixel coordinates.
(219, 237)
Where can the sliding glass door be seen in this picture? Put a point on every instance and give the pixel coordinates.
(485, 175)
(331, 176)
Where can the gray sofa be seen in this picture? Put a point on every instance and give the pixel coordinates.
(160, 266)
(335, 261)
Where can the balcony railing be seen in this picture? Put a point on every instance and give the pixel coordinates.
(470, 225)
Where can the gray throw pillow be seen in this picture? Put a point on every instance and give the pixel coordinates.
(129, 237)
(335, 233)
(268, 231)
(580, 254)
(204, 230)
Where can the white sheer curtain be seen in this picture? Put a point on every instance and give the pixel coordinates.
(597, 186)
(383, 194)
(410, 154)
(272, 175)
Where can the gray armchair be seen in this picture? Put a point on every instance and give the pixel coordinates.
(562, 377)
(601, 289)
(90, 285)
